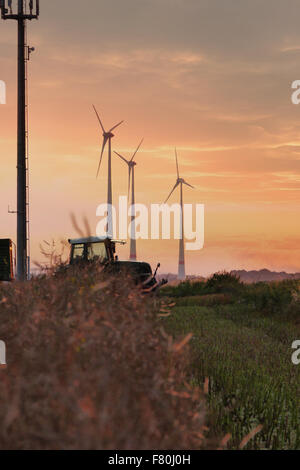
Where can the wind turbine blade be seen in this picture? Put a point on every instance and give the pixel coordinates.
(117, 125)
(126, 161)
(99, 119)
(137, 149)
(187, 184)
(175, 186)
(103, 147)
(177, 163)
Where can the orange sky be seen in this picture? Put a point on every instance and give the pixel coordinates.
(211, 77)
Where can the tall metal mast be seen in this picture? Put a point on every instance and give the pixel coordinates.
(24, 10)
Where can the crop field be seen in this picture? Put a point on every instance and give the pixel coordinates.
(241, 353)
(94, 364)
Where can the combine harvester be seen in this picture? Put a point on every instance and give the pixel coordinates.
(91, 250)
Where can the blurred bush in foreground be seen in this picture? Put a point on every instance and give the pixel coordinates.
(89, 367)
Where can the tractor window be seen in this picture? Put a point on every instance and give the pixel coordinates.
(78, 252)
(96, 251)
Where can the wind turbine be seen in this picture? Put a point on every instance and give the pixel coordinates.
(107, 136)
(180, 182)
(131, 165)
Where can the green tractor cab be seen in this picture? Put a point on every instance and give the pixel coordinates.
(91, 249)
(103, 250)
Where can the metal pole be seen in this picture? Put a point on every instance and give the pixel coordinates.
(8, 13)
(132, 255)
(181, 261)
(110, 231)
(21, 166)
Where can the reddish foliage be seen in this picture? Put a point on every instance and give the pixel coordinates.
(89, 367)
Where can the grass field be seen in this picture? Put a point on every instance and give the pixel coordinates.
(241, 345)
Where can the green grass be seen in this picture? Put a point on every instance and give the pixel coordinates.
(246, 354)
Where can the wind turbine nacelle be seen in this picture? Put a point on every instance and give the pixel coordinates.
(109, 135)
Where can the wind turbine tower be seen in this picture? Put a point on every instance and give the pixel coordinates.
(107, 136)
(180, 182)
(131, 166)
(21, 11)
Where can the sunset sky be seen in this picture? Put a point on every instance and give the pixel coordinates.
(212, 77)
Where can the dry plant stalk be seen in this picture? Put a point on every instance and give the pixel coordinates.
(249, 436)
